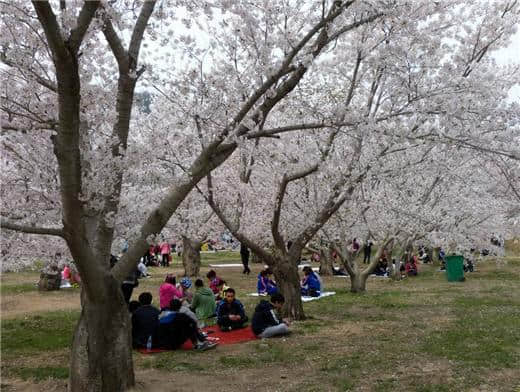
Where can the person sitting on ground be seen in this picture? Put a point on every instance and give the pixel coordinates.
(265, 323)
(143, 270)
(203, 303)
(168, 291)
(265, 286)
(133, 306)
(214, 282)
(381, 267)
(175, 328)
(310, 284)
(411, 266)
(230, 312)
(144, 321)
(177, 306)
(187, 295)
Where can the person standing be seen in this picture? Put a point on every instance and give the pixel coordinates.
(165, 254)
(244, 255)
(367, 250)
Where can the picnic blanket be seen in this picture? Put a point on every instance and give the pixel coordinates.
(225, 265)
(214, 335)
(304, 297)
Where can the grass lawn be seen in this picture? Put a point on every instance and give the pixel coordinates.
(422, 334)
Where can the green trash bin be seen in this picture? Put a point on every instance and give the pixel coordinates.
(455, 268)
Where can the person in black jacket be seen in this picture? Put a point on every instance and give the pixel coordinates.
(244, 255)
(265, 323)
(230, 312)
(144, 322)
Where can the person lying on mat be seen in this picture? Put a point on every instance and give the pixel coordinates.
(310, 284)
(230, 312)
(176, 327)
(265, 286)
(144, 321)
(203, 303)
(265, 322)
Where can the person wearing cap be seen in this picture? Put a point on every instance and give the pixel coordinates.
(187, 295)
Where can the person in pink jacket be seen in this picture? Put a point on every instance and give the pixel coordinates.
(165, 254)
(168, 291)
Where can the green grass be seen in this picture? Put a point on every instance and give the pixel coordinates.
(220, 257)
(485, 334)
(466, 334)
(17, 288)
(42, 373)
(46, 332)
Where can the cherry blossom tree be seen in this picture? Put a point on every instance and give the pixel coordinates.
(69, 87)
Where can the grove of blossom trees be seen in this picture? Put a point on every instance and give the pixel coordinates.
(289, 120)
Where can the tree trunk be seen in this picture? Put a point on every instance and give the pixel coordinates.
(288, 281)
(191, 257)
(326, 262)
(255, 259)
(358, 283)
(435, 255)
(101, 355)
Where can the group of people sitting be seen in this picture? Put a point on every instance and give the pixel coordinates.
(310, 285)
(182, 314)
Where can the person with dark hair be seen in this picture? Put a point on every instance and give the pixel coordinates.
(310, 284)
(133, 306)
(367, 251)
(244, 255)
(230, 312)
(175, 328)
(129, 284)
(215, 282)
(168, 291)
(144, 322)
(203, 303)
(265, 286)
(355, 245)
(411, 266)
(265, 322)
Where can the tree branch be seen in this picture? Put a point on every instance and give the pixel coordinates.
(29, 229)
(277, 237)
(85, 17)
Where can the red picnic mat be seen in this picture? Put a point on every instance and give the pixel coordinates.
(214, 335)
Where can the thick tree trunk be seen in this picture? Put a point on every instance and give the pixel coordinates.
(358, 283)
(191, 257)
(288, 281)
(255, 259)
(101, 355)
(326, 262)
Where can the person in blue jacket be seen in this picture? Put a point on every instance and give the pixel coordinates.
(230, 312)
(265, 286)
(310, 284)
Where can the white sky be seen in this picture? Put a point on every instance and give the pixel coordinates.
(511, 55)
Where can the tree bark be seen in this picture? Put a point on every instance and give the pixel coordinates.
(288, 281)
(191, 256)
(101, 355)
(358, 283)
(255, 258)
(326, 262)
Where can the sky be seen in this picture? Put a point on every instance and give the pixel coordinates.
(511, 55)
